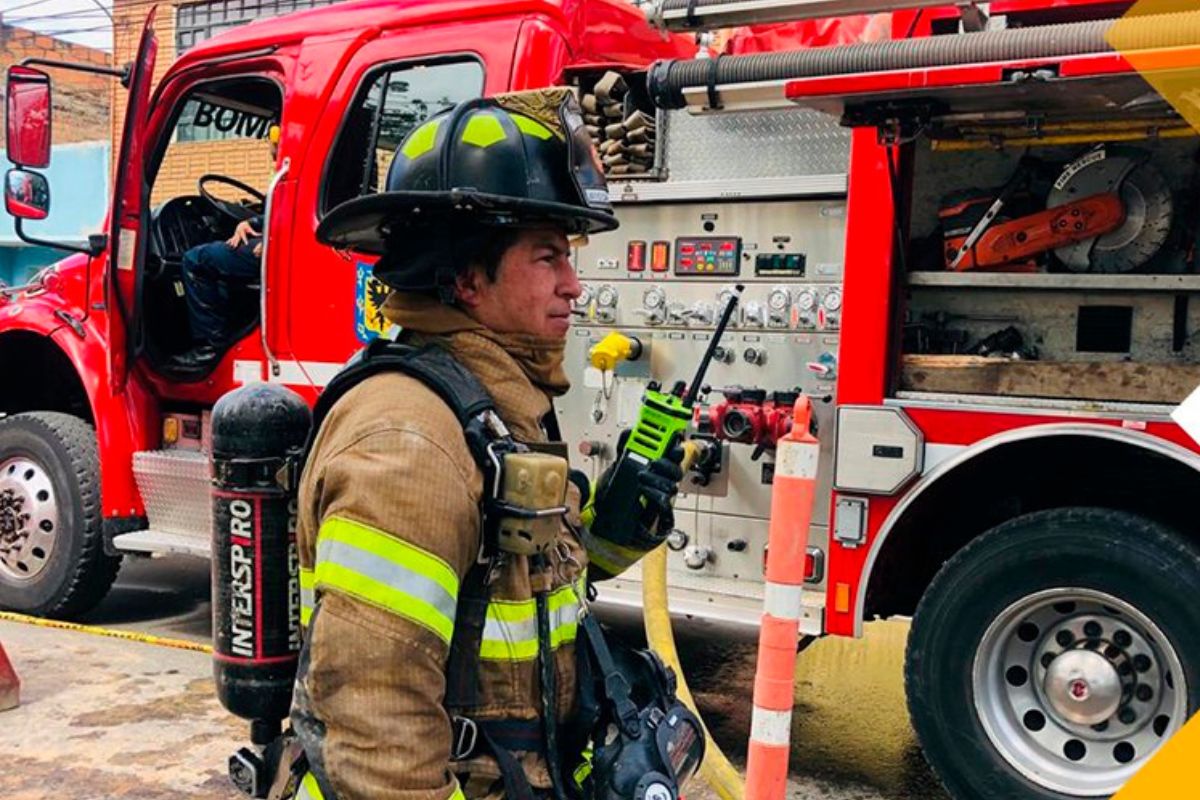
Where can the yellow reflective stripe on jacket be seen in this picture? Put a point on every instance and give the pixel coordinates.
(510, 628)
(612, 558)
(379, 569)
(307, 595)
(309, 790)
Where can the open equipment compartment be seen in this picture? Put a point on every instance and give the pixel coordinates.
(1108, 318)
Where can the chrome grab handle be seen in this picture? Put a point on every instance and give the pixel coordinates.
(266, 250)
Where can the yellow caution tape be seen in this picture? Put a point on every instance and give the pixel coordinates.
(133, 636)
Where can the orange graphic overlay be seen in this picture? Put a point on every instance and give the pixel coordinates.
(1171, 774)
(1161, 40)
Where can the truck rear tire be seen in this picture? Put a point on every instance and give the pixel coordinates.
(1052, 656)
(52, 559)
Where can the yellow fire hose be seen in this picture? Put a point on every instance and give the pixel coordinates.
(716, 770)
(132, 636)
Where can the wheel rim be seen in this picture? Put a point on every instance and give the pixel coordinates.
(1076, 689)
(28, 519)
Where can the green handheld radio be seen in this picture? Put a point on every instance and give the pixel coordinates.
(663, 418)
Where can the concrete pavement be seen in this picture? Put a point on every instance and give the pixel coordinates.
(131, 720)
(110, 718)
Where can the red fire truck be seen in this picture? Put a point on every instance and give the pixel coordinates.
(101, 451)
(1006, 470)
(998, 456)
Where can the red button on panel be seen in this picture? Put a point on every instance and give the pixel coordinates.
(687, 248)
(726, 246)
(636, 256)
(685, 262)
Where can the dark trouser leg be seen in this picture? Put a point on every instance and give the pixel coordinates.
(206, 272)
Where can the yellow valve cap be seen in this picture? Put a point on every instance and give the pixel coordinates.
(612, 350)
(170, 430)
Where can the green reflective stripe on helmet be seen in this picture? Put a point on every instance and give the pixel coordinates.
(510, 628)
(531, 126)
(458, 794)
(612, 558)
(309, 790)
(308, 599)
(421, 140)
(483, 130)
(396, 576)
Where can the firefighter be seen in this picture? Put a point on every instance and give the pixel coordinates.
(207, 271)
(473, 233)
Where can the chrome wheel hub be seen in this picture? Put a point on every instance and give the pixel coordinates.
(1076, 689)
(1083, 687)
(29, 519)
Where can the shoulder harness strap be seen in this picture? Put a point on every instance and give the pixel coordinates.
(432, 365)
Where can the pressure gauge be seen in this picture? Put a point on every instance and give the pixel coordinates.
(832, 300)
(752, 314)
(779, 299)
(585, 297)
(724, 296)
(606, 297)
(806, 300)
(654, 298)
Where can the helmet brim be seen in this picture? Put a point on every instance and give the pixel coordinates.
(366, 223)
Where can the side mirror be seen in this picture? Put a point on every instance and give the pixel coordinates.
(26, 194)
(28, 119)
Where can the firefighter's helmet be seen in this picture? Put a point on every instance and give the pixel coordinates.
(514, 160)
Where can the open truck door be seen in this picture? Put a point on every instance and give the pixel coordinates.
(127, 224)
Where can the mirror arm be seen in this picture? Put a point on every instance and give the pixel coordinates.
(95, 246)
(122, 73)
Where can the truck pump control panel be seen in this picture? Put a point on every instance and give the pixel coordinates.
(664, 277)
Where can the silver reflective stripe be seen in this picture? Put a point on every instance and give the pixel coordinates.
(388, 573)
(308, 599)
(526, 629)
(510, 629)
(612, 558)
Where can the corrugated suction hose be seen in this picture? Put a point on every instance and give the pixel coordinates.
(668, 79)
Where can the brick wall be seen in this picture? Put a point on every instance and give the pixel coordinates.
(129, 16)
(184, 162)
(246, 160)
(81, 101)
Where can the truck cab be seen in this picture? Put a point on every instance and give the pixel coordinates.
(103, 435)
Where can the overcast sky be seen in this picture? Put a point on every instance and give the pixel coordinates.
(81, 21)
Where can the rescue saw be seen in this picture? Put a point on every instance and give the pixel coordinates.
(1108, 211)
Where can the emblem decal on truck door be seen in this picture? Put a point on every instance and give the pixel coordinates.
(370, 294)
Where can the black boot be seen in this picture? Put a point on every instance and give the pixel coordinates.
(199, 357)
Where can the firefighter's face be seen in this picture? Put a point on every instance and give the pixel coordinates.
(534, 288)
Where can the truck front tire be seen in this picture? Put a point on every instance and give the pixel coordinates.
(1051, 657)
(52, 559)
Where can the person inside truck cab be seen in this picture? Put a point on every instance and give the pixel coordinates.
(207, 271)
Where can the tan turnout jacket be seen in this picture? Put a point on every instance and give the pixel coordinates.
(388, 526)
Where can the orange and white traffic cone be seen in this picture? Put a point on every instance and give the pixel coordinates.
(10, 684)
(792, 498)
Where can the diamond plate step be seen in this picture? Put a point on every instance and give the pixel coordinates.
(175, 489)
(159, 542)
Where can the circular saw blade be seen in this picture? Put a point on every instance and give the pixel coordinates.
(1145, 195)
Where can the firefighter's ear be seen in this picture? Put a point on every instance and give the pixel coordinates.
(468, 284)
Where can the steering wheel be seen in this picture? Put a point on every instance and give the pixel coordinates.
(235, 211)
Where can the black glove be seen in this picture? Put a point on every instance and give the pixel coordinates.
(659, 483)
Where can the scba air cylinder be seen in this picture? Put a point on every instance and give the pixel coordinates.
(258, 436)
